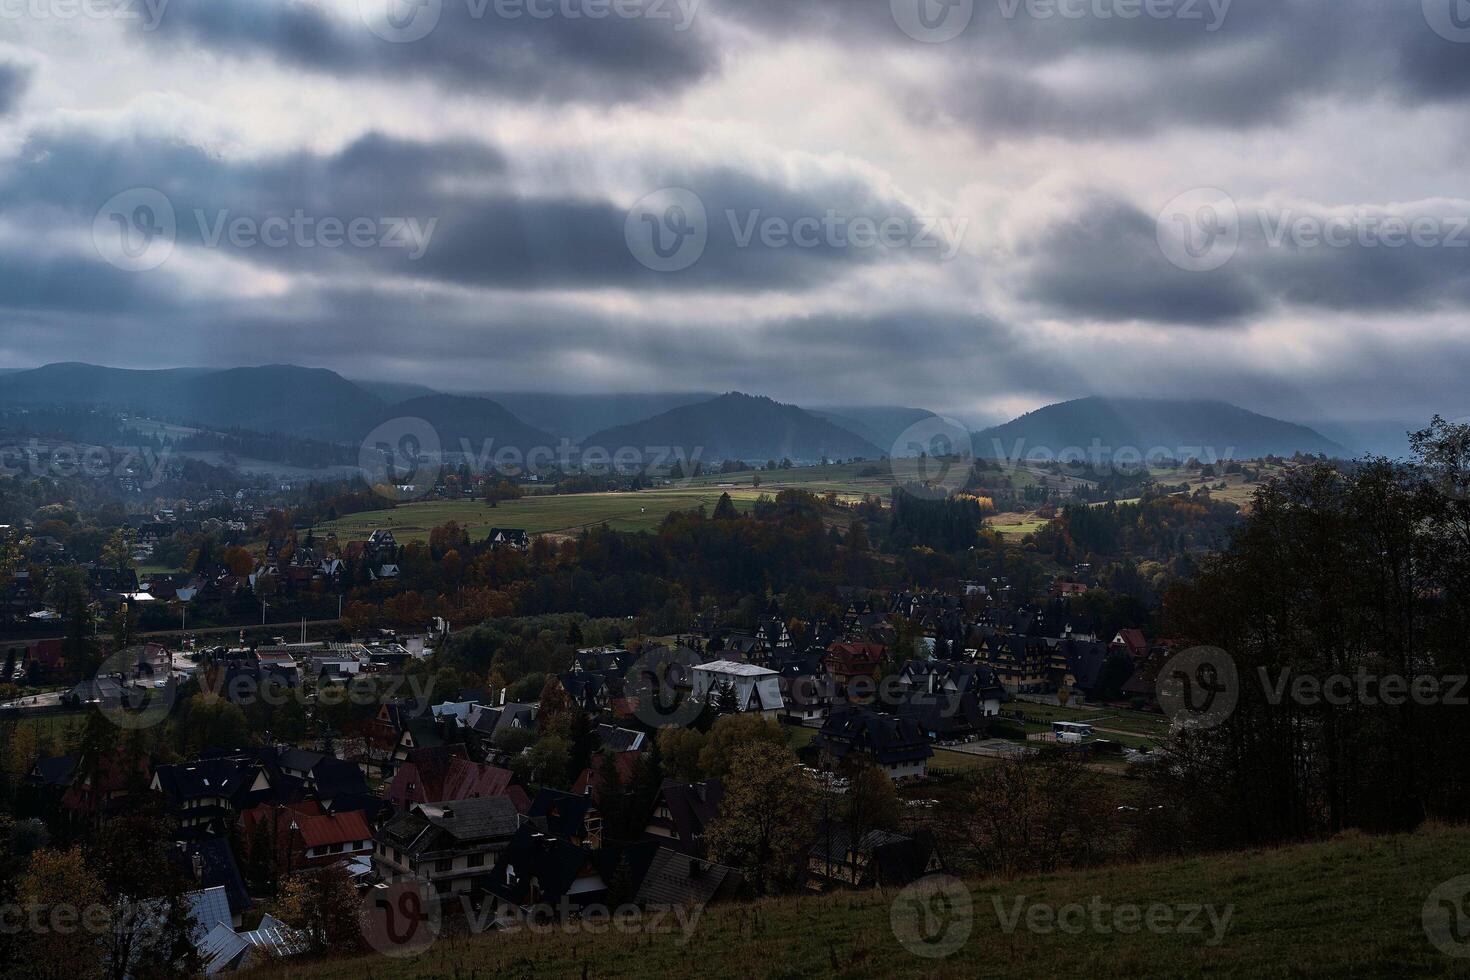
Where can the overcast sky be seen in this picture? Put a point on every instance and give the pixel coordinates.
(975, 206)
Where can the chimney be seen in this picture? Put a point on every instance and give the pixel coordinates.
(198, 865)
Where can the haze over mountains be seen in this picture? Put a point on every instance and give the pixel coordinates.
(320, 404)
(1203, 429)
(738, 426)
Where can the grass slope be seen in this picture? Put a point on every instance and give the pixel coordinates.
(1352, 906)
(641, 511)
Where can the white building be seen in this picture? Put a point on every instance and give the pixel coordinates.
(756, 688)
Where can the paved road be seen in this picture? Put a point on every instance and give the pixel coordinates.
(51, 699)
(287, 627)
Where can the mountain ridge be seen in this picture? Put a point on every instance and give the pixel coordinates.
(740, 426)
(1184, 427)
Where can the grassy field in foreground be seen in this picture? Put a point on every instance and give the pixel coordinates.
(1350, 907)
(641, 511)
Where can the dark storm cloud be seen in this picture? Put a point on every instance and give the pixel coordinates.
(471, 44)
(1223, 64)
(14, 78)
(450, 204)
(33, 283)
(1104, 262)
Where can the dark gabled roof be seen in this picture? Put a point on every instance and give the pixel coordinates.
(605, 661)
(52, 772)
(403, 710)
(333, 776)
(216, 867)
(224, 778)
(1085, 661)
(791, 663)
(424, 732)
(554, 864)
(891, 858)
(960, 675)
(299, 759)
(582, 686)
(888, 739)
(682, 879)
(564, 814)
(942, 715)
(430, 828)
(371, 807)
(615, 739)
(692, 806)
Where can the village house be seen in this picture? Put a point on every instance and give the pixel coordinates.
(876, 859)
(846, 662)
(448, 845)
(682, 811)
(206, 795)
(301, 836)
(895, 745)
(756, 689)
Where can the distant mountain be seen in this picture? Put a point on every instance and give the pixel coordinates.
(477, 423)
(881, 425)
(307, 402)
(393, 392)
(1182, 427)
(737, 426)
(576, 416)
(1379, 438)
